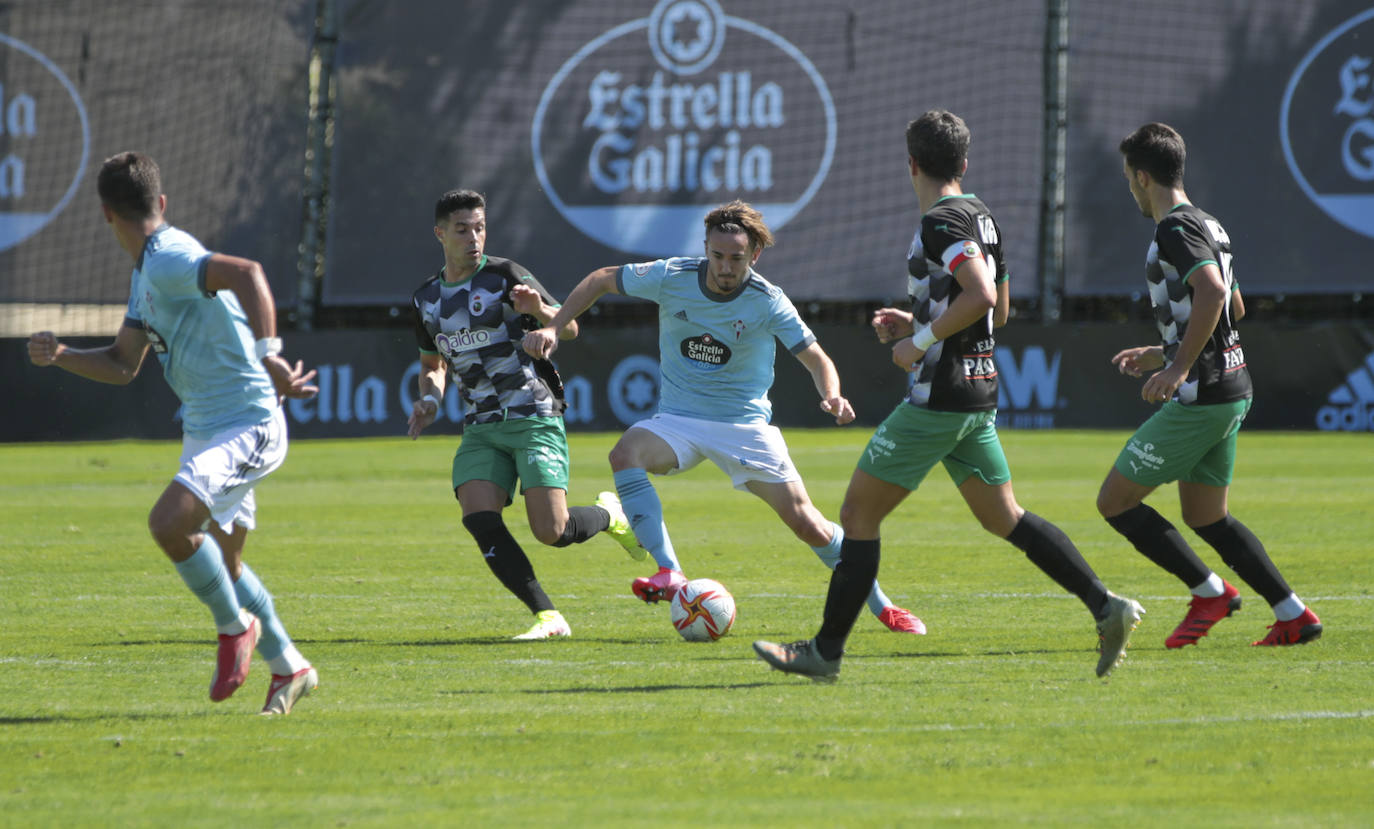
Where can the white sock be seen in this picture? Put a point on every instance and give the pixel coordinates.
(1289, 609)
(237, 626)
(289, 662)
(1211, 588)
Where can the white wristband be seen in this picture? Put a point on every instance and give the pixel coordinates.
(924, 338)
(267, 347)
(429, 398)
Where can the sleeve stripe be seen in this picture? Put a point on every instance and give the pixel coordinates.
(803, 345)
(201, 268)
(960, 252)
(1195, 267)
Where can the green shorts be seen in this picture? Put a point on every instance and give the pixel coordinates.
(1196, 444)
(912, 440)
(533, 449)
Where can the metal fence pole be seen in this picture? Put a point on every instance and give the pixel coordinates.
(1055, 162)
(319, 141)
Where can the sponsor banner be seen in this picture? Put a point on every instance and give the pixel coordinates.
(48, 141)
(81, 80)
(1306, 377)
(610, 142)
(1275, 100)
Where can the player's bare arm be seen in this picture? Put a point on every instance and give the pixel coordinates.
(1209, 297)
(433, 376)
(541, 342)
(527, 300)
(1237, 306)
(977, 298)
(891, 323)
(1138, 360)
(827, 381)
(245, 278)
(117, 363)
(1002, 311)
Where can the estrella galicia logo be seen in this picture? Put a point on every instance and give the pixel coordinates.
(651, 123)
(39, 110)
(706, 349)
(1326, 124)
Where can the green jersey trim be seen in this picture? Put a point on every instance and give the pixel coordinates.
(480, 265)
(1184, 280)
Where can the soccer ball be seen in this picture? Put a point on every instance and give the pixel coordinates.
(702, 610)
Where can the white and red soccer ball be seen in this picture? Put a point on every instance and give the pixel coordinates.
(702, 610)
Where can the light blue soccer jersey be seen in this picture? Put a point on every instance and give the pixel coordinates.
(716, 351)
(202, 340)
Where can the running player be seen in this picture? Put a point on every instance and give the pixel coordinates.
(468, 321)
(211, 321)
(718, 320)
(1199, 374)
(959, 291)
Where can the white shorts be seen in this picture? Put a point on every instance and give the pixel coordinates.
(221, 471)
(744, 451)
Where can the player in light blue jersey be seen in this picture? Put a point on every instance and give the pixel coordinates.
(718, 323)
(211, 320)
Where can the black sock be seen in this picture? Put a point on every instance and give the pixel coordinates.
(583, 523)
(849, 588)
(1051, 550)
(505, 558)
(1244, 553)
(1161, 543)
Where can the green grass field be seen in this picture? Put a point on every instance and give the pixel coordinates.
(428, 715)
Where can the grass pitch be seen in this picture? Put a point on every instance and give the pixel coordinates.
(427, 714)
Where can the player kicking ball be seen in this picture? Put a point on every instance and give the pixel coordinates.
(211, 321)
(718, 323)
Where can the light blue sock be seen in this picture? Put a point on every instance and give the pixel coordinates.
(640, 501)
(205, 574)
(256, 600)
(830, 556)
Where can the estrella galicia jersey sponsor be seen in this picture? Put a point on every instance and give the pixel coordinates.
(201, 338)
(1186, 239)
(716, 351)
(475, 328)
(958, 373)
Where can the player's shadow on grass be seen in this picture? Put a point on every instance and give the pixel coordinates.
(123, 716)
(966, 654)
(506, 640)
(648, 689)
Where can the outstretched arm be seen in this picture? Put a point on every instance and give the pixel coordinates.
(541, 342)
(116, 363)
(248, 282)
(527, 300)
(827, 381)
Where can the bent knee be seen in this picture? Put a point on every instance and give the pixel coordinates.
(815, 531)
(546, 532)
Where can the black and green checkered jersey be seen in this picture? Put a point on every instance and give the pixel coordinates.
(473, 325)
(958, 373)
(1186, 239)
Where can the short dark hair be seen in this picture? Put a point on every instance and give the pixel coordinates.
(455, 200)
(939, 140)
(1157, 149)
(740, 217)
(129, 184)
